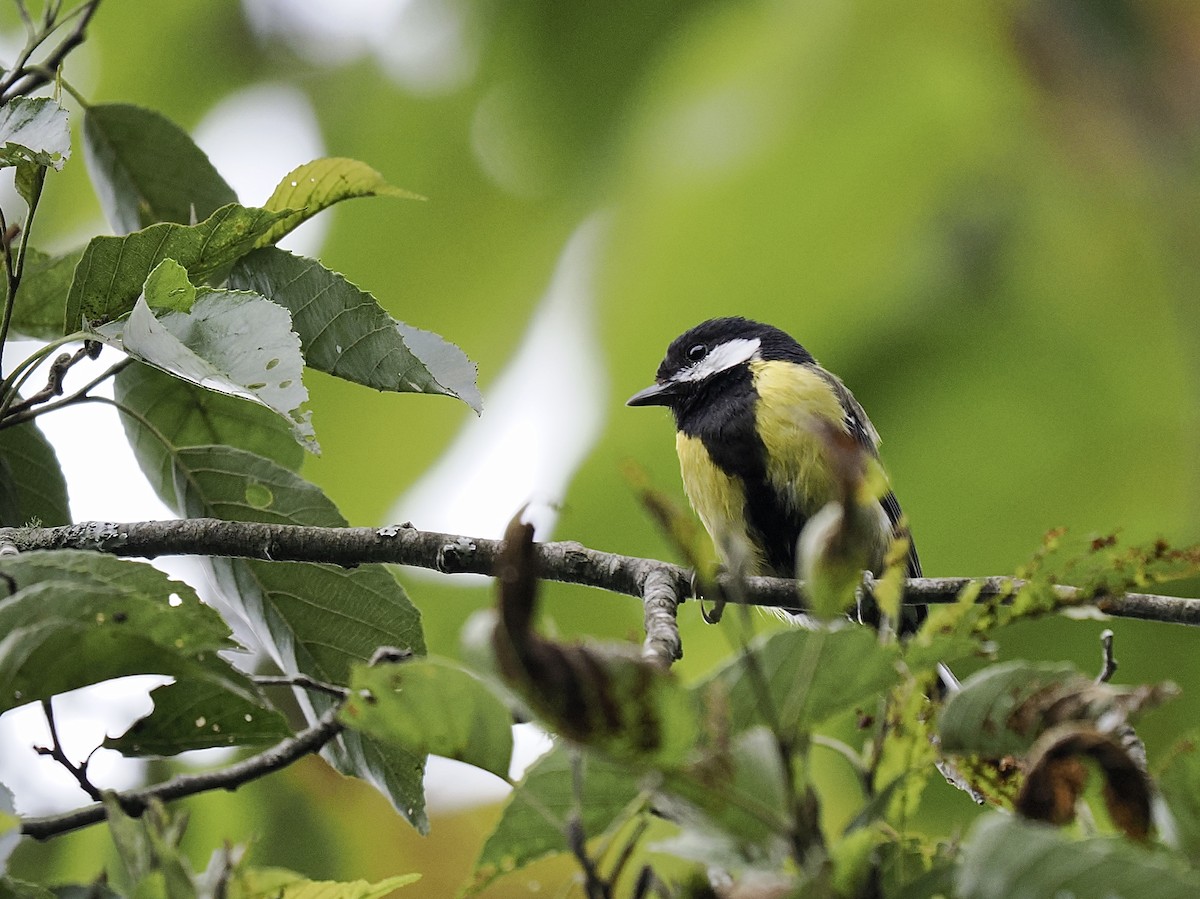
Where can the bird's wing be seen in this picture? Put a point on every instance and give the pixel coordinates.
(864, 432)
(856, 418)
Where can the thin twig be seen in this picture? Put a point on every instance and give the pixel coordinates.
(134, 802)
(594, 885)
(55, 751)
(303, 681)
(567, 562)
(23, 79)
(14, 418)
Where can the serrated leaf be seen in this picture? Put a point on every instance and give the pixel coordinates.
(146, 169)
(432, 706)
(1004, 857)
(197, 714)
(533, 823)
(314, 619)
(596, 695)
(346, 333)
(41, 303)
(32, 487)
(79, 618)
(113, 270)
(187, 415)
(317, 185)
(233, 342)
(811, 676)
(36, 130)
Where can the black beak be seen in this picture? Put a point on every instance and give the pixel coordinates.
(654, 395)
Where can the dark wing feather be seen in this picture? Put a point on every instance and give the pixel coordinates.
(864, 432)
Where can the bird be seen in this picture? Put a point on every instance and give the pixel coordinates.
(766, 438)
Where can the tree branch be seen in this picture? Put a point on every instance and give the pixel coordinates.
(660, 598)
(134, 802)
(568, 562)
(23, 79)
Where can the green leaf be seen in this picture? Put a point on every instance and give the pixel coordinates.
(232, 342)
(276, 883)
(146, 169)
(1179, 785)
(113, 270)
(317, 185)
(346, 333)
(810, 675)
(78, 618)
(1004, 856)
(32, 487)
(1002, 709)
(34, 130)
(29, 181)
(149, 851)
(533, 823)
(314, 619)
(740, 799)
(41, 303)
(186, 415)
(196, 714)
(432, 706)
(168, 288)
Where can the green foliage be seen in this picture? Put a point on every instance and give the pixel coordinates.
(146, 169)
(345, 332)
(31, 483)
(757, 164)
(34, 131)
(319, 184)
(407, 705)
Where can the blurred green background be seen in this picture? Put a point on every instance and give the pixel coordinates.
(983, 217)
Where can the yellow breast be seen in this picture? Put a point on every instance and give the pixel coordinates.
(792, 401)
(720, 502)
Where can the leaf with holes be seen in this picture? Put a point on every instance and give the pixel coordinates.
(34, 130)
(407, 704)
(233, 342)
(78, 618)
(346, 333)
(187, 415)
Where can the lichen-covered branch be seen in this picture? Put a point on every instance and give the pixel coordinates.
(568, 562)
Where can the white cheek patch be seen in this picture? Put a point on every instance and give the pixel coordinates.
(724, 357)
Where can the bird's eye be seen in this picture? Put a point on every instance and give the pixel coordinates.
(698, 352)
